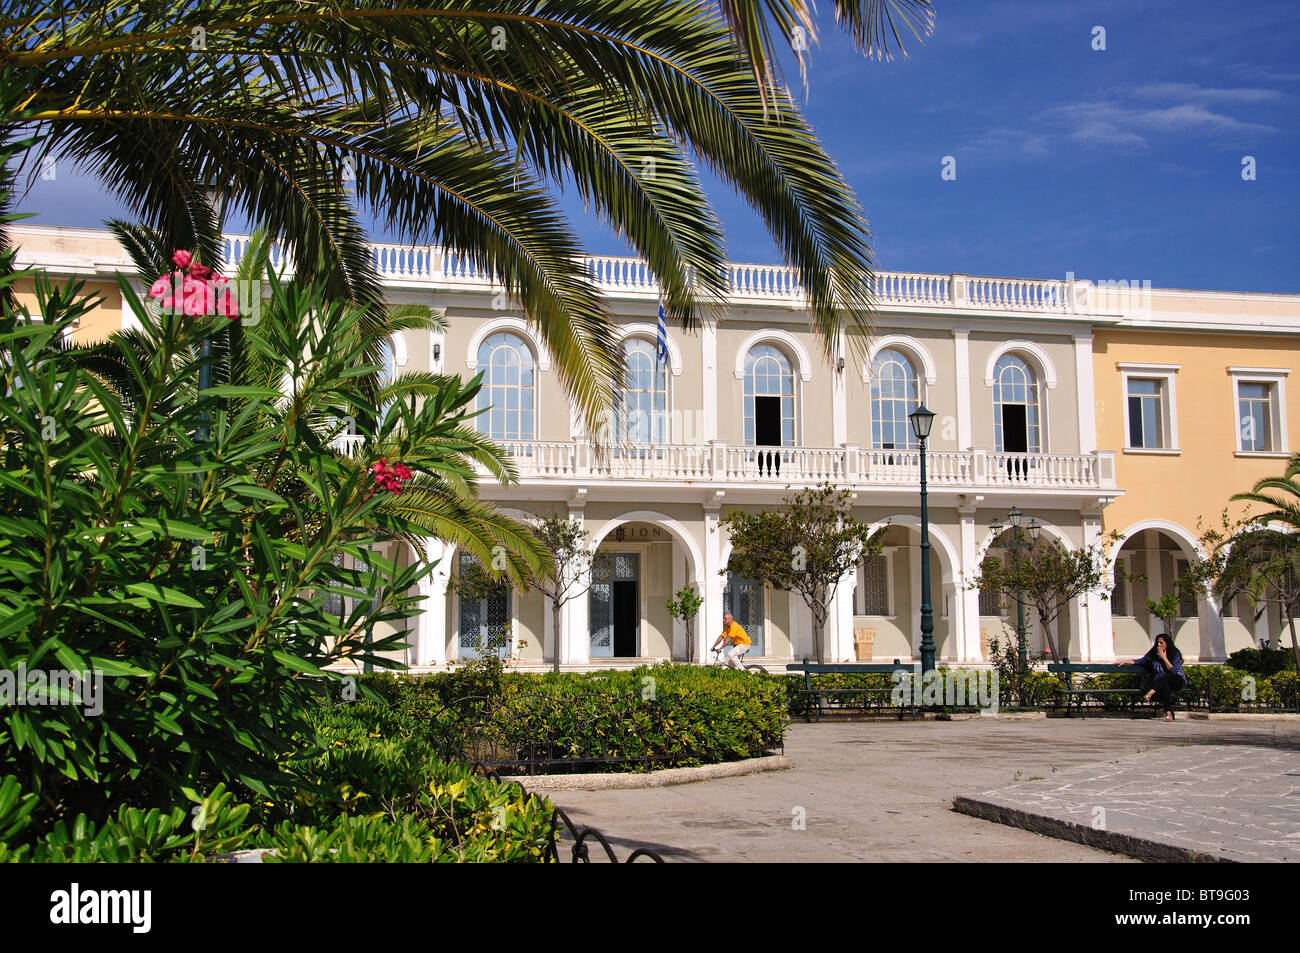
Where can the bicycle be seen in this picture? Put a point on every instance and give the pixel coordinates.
(749, 667)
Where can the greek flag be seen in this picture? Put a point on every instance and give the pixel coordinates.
(662, 356)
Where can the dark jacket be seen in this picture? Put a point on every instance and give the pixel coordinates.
(1155, 667)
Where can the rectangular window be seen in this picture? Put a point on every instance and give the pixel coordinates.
(875, 585)
(1146, 401)
(1150, 407)
(1255, 416)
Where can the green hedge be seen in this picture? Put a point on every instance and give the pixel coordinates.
(1214, 687)
(1039, 688)
(650, 717)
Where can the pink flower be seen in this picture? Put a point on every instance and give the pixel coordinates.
(390, 478)
(194, 289)
(161, 287)
(227, 306)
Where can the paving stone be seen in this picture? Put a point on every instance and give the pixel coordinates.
(884, 791)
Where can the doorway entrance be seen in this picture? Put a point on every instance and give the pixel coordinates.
(614, 605)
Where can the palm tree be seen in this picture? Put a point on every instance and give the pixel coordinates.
(455, 127)
(331, 393)
(1264, 564)
(1280, 494)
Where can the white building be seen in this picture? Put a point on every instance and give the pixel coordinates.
(745, 411)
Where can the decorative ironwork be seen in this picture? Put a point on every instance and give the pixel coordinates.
(875, 585)
(743, 598)
(579, 852)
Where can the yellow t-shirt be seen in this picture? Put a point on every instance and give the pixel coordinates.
(736, 633)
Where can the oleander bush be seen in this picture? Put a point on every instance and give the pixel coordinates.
(651, 717)
(170, 562)
(1262, 662)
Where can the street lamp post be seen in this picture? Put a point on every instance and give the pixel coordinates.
(922, 420)
(1017, 545)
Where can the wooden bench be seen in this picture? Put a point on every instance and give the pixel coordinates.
(818, 695)
(1071, 693)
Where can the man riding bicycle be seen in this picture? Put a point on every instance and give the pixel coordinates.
(733, 635)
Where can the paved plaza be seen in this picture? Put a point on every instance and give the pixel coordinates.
(884, 791)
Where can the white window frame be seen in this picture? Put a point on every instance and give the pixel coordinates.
(1169, 404)
(860, 595)
(1275, 378)
(1123, 580)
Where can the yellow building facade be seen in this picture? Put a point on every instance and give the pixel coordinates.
(1195, 394)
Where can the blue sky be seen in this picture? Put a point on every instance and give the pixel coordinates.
(1122, 163)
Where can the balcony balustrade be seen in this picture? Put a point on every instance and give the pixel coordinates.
(805, 466)
(451, 268)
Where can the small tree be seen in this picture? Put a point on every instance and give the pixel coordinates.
(807, 547)
(571, 561)
(685, 606)
(1047, 576)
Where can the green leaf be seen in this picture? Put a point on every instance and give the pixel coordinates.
(164, 594)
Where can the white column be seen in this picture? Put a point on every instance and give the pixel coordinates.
(1097, 642)
(709, 387)
(1210, 626)
(431, 627)
(129, 320)
(839, 622)
(965, 615)
(574, 644)
(709, 622)
(1087, 397)
(1262, 630)
(961, 360)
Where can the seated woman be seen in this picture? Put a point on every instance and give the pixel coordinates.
(1164, 677)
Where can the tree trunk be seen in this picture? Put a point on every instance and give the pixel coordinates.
(1043, 621)
(690, 641)
(556, 606)
(819, 629)
(1295, 648)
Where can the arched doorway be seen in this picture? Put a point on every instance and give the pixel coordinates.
(1147, 566)
(642, 558)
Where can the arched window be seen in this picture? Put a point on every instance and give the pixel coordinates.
(769, 398)
(895, 393)
(1016, 412)
(641, 402)
(508, 387)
